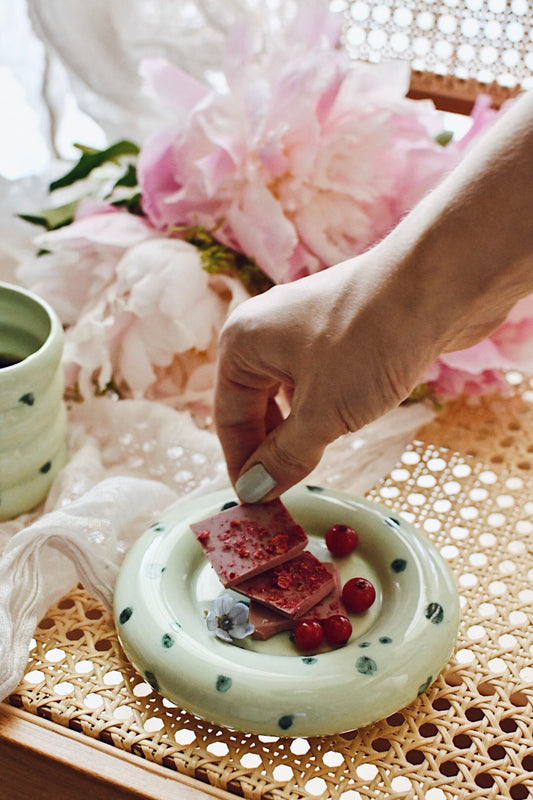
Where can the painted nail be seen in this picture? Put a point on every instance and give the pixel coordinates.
(254, 484)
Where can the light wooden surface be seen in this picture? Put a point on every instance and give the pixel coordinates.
(39, 759)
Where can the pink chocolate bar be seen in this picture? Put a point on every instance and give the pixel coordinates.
(291, 588)
(332, 603)
(268, 623)
(246, 540)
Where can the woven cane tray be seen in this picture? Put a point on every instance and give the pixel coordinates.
(468, 483)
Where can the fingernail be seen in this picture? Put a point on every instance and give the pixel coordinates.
(254, 484)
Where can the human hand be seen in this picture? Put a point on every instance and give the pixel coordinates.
(351, 342)
(346, 345)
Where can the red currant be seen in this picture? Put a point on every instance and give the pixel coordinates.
(337, 629)
(308, 635)
(358, 594)
(341, 540)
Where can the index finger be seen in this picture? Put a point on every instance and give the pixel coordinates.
(244, 415)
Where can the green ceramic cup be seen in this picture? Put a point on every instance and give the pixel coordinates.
(32, 411)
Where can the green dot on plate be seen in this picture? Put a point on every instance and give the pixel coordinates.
(366, 665)
(398, 565)
(158, 527)
(314, 488)
(45, 467)
(224, 683)
(309, 660)
(423, 686)
(167, 640)
(392, 522)
(152, 680)
(385, 639)
(285, 722)
(28, 399)
(125, 614)
(229, 504)
(435, 613)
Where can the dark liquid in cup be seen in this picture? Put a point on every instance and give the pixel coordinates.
(8, 359)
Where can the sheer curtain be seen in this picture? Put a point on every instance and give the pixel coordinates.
(71, 56)
(69, 73)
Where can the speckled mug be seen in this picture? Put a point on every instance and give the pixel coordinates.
(32, 411)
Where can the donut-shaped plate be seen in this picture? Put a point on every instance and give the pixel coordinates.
(397, 648)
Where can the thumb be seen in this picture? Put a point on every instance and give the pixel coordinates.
(283, 458)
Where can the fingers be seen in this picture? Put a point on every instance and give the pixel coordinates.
(273, 416)
(267, 343)
(246, 387)
(283, 458)
(240, 416)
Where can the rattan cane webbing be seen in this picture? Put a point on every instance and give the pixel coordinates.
(468, 482)
(485, 40)
(457, 49)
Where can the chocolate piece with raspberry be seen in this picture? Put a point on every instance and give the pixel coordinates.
(244, 541)
(293, 587)
(331, 604)
(268, 623)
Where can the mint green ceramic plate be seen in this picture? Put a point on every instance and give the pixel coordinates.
(397, 649)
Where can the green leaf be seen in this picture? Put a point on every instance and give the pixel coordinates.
(129, 178)
(444, 138)
(85, 148)
(52, 218)
(216, 258)
(90, 160)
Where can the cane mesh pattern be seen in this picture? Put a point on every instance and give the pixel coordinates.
(468, 483)
(485, 40)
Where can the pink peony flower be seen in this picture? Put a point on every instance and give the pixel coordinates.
(301, 159)
(89, 207)
(304, 159)
(167, 314)
(153, 330)
(81, 258)
(139, 309)
(481, 369)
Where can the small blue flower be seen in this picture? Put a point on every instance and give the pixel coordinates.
(229, 620)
